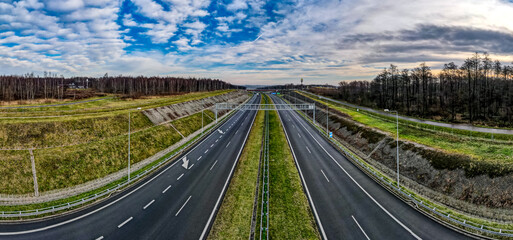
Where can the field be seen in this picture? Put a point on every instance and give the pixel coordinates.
(89, 142)
(234, 218)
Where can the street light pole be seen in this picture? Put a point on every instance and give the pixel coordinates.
(397, 142)
(203, 103)
(327, 120)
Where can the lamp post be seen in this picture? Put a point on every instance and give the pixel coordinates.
(397, 139)
(129, 113)
(327, 120)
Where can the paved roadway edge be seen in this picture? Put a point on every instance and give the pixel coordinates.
(305, 187)
(392, 191)
(208, 226)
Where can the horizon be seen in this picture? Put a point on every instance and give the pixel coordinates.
(248, 42)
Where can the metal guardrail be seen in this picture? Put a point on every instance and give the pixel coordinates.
(417, 201)
(89, 198)
(280, 107)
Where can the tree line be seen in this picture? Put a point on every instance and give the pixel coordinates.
(478, 91)
(29, 87)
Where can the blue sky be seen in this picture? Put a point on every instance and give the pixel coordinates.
(248, 41)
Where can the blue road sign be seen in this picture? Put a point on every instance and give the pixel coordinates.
(331, 134)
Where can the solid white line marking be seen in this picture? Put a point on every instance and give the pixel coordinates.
(165, 190)
(109, 204)
(299, 135)
(325, 175)
(206, 151)
(228, 144)
(180, 177)
(199, 158)
(191, 166)
(308, 149)
(304, 182)
(212, 145)
(183, 206)
(360, 227)
(147, 205)
(204, 232)
(99, 238)
(213, 165)
(125, 222)
(374, 200)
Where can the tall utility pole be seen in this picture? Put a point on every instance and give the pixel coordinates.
(202, 103)
(397, 142)
(327, 120)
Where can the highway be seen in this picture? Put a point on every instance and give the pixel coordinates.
(346, 203)
(172, 203)
(467, 127)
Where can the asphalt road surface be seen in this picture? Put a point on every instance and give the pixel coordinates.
(347, 204)
(173, 203)
(432, 123)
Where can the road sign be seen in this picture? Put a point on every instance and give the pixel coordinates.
(331, 134)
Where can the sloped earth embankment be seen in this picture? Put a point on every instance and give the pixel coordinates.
(72, 170)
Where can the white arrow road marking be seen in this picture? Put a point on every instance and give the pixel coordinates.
(125, 222)
(183, 206)
(185, 163)
(100, 238)
(220, 131)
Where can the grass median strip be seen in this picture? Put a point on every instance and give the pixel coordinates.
(290, 214)
(234, 218)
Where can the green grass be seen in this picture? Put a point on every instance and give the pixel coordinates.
(233, 220)
(15, 172)
(98, 190)
(494, 152)
(104, 107)
(290, 214)
(69, 166)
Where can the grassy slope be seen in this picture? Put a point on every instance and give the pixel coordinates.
(234, 218)
(290, 214)
(15, 172)
(68, 166)
(487, 151)
(107, 106)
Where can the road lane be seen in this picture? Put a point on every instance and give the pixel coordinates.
(198, 187)
(352, 194)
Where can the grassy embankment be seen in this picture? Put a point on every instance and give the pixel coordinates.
(290, 213)
(483, 150)
(233, 220)
(87, 194)
(106, 106)
(98, 145)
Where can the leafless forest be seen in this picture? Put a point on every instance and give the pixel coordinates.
(31, 87)
(480, 90)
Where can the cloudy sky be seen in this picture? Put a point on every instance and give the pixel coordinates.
(248, 41)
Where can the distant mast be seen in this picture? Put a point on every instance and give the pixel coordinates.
(301, 83)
